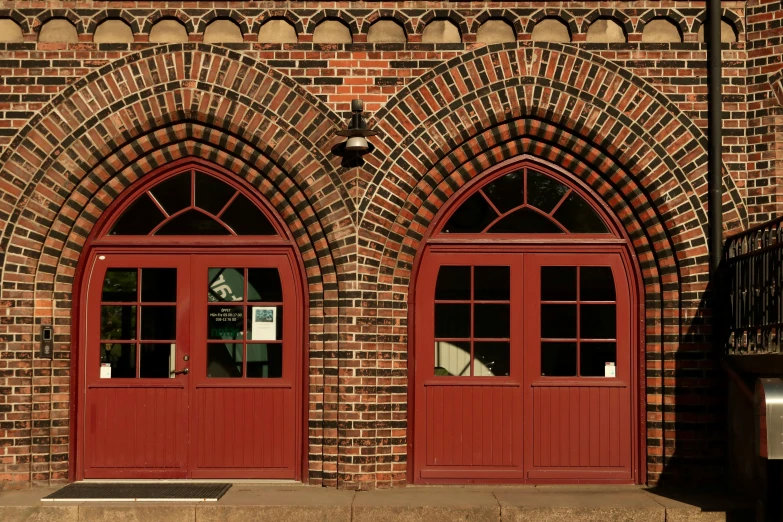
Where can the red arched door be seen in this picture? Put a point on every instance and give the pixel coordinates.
(191, 333)
(525, 344)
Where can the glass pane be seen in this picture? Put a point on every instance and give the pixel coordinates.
(118, 322)
(598, 321)
(579, 217)
(119, 285)
(192, 223)
(265, 323)
(491, 321)
(157, 361)
(472, 216)
(174, 193)
(159, 285)
(263, 284)
(525, 221)
(245, 219)
(452, 358)
(452, 320)
(121, 358)
(491, 359)
(264, 360)
(493, 283)
(558, 359)
(453, 283)
(558, 321)
(138, 219)
(226, 284)
(507, 191)
(224, 360)
(596, 284)
(558, 283)
(159, 323)
(544, 192)
(225, 322)
(211, 193)
(593, 358)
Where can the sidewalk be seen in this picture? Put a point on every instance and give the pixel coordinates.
(295, 503)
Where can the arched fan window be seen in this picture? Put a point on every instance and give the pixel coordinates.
(525, 201)
(192, 203)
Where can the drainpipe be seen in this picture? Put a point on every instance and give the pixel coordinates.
(715, 158)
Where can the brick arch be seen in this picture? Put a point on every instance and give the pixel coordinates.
(400, 17)
(169, 14)
(278, 14)
(344, 17)
(223, 14)
(615, 15)
(559, 14)
(727, 15)
(112, 14)
(51, 14)
(451, 15)
(673, 16)
(17, 17)
(506, 15)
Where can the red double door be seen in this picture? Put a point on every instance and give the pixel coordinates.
(191, 364)
(523, 368)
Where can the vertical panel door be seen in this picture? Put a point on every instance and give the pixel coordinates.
(136, 404)
(244, 418)
(469, 368)
(577, 368)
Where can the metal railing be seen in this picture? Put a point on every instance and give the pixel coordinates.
(753, 280)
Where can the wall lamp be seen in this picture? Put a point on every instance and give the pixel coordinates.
(357, 131)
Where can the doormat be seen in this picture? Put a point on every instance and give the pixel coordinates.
(138, 492)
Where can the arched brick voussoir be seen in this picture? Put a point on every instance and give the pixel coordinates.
(110, 106)
(620, 113)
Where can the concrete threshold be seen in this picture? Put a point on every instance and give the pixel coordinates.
(247, 502)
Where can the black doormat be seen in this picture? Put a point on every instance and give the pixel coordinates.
(139, 492)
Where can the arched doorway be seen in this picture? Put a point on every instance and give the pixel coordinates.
(526, 354)
(191, 333)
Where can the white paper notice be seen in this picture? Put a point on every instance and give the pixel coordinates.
(609, 370)
(105, 371)
(264, 323)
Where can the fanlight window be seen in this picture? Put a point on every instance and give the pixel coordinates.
(525, 201)
(192, 203)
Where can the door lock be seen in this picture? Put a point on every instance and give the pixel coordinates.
(184, 371)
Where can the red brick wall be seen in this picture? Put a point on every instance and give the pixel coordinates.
(71, 113)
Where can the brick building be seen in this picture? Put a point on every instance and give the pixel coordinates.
(562, 144)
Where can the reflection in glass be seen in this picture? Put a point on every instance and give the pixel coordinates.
(118, 322)
(245, 219)
(558, 359)
(139, 218)
(491, 321)
(525, 221)
(224, 360)
(472, 216)
(192, 223)
(159, 285)
(225, 322)
(493, 283)
(211, 193)
(119, 285)
(491, 359)
(157, 361)
(265, 360)
(544, 192)
(506, 192)
(596, 284)
(558, 321)
(558, 283)
(174, 193)
(598, 321)
(593, 358)
(122, 358)
(452, 358)
(453, 283)
(263, 285)
(265, 323)
(579, 217)
(159, 323)
(452, 320)
(226, 284)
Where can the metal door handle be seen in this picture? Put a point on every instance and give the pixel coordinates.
(182, 371)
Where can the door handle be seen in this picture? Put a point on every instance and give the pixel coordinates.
(183, 371)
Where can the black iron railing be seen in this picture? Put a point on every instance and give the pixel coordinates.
(752, 289)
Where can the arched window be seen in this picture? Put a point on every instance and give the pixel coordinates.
(525, 201)
(192, 203)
